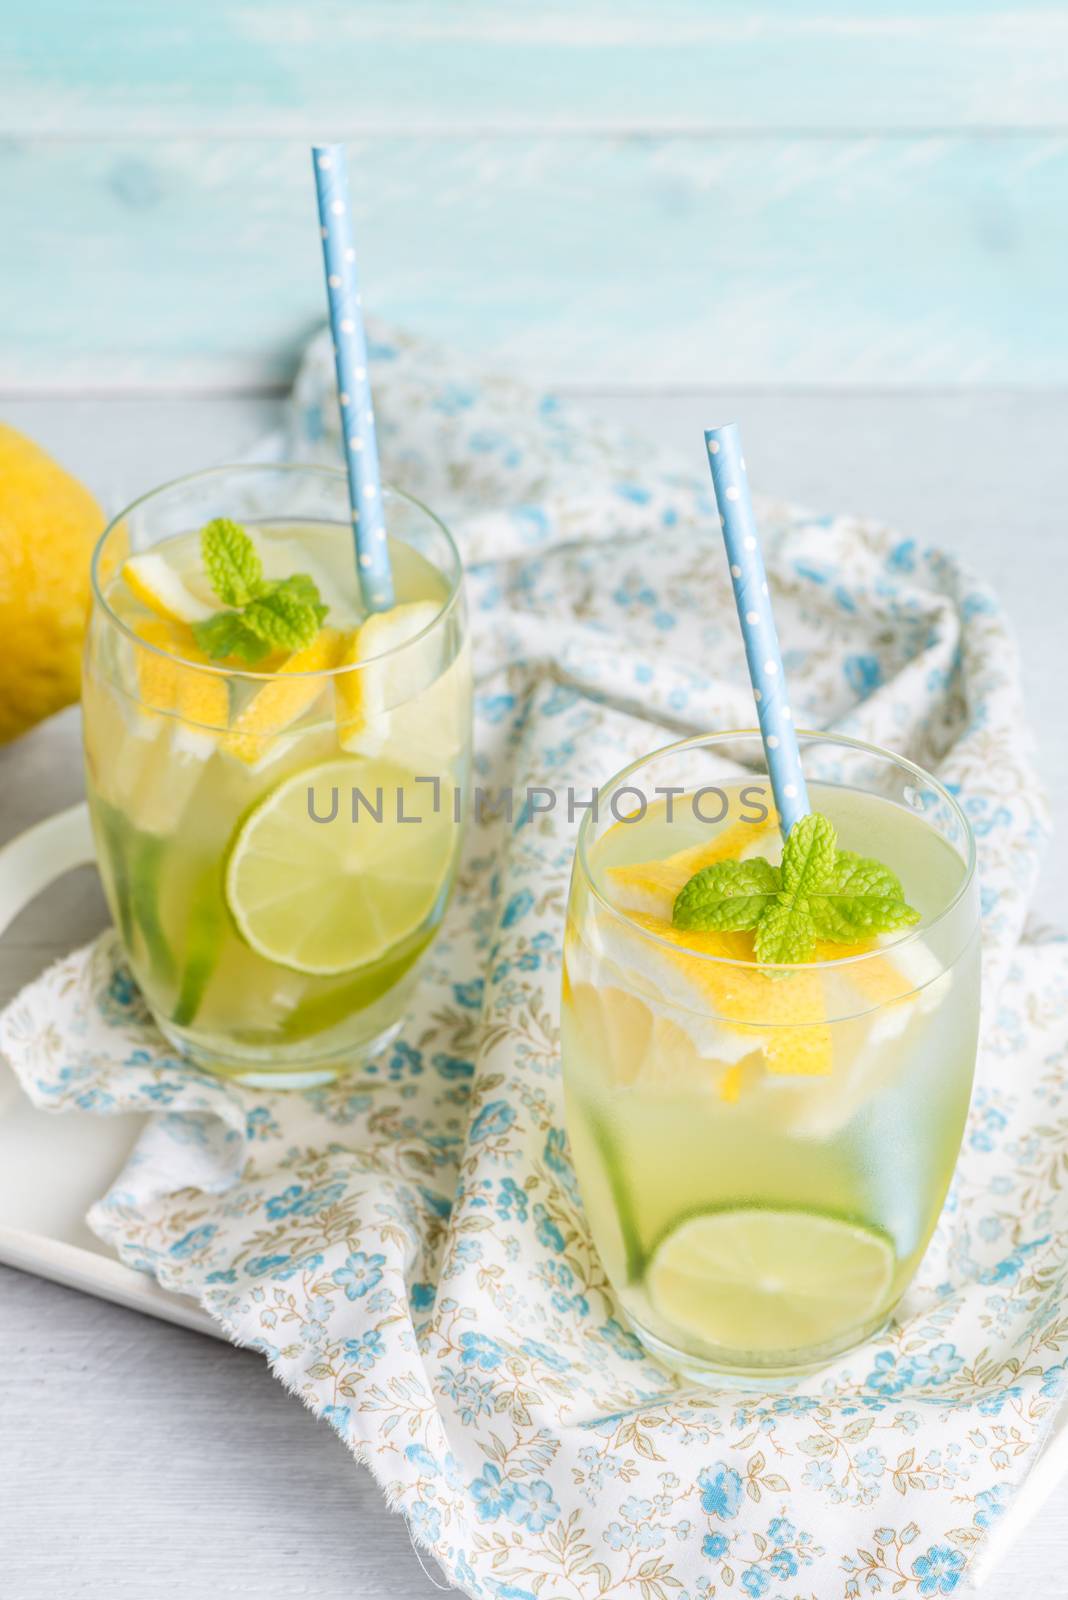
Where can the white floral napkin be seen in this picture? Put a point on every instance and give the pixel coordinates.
(408, 1248)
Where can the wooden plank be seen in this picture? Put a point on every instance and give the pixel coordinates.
(278, 67)
(630, 262)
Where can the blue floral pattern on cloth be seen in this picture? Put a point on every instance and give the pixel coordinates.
(408, 1248)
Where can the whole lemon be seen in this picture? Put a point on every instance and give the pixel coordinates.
(48, 525)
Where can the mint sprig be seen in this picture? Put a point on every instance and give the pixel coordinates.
(819, 892)
(268, 614)
(231, 562)
(864, 898)
(225, 634)
(727, 897)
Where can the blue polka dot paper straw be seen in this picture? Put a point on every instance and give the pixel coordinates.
(353, 385)
(758, 625)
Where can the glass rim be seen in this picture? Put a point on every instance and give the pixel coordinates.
(314, 469)
(703, 740)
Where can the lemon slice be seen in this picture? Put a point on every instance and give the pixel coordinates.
(363, 697)
(284, 698)
(652, 886)
(753, 1013)
(404, 701)
(730, 1006)
(332, 894)
(763, 1281)
(168, 727)
(157, 584)
(786, 1016)
(169, 678)
(638, 1045)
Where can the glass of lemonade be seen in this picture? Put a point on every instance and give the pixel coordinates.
(277, 841)
(763, 1152)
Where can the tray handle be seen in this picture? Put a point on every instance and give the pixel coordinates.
(36, 858)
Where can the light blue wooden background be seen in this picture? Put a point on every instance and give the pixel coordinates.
(600, 192)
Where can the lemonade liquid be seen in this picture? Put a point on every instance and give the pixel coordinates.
(297, 951)
(763, 1157)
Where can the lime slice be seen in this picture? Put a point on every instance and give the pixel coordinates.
(757, 1280)
(326, 1004)
(202, 943)
(314, 890)
(606, 1197)
(147, 857)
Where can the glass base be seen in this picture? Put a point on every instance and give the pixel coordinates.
(736, 1369)
(259, 1074)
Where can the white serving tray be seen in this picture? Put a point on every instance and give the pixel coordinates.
(52, 1168)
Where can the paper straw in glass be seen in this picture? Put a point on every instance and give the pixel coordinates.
(759, 635)
(353, 384)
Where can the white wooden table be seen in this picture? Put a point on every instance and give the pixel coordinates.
(139, 1459)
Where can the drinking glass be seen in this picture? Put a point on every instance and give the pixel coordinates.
(763, 1152)
(278, 843)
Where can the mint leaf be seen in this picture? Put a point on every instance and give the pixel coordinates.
(785, 933)
(225, 634)
(808, 856)
(863, 899)
(287, 614)
(726, 897)
(284, 614)
(231, 562)
(301, 587)
(819, 892)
